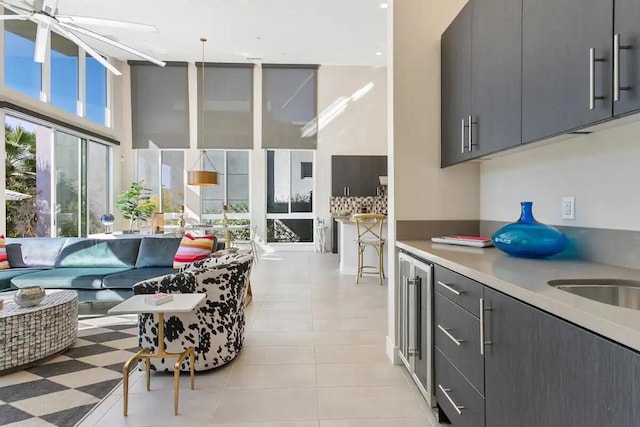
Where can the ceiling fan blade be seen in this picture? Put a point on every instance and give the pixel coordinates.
(77, 40)
(42, 41)
(119, 45)
(14, 17)
(110, 23)
(16, 7)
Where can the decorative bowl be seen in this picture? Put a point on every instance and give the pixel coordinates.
(29, 296)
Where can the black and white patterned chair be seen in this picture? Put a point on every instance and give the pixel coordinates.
(215, 328)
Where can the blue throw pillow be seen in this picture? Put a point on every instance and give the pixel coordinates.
(157, 251)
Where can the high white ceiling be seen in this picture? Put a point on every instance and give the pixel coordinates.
(278, 31)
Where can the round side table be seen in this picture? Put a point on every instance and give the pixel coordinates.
(34, 333)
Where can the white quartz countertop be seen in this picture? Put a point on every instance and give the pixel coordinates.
(526, 280)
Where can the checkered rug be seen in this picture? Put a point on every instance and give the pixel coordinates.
(62, 390)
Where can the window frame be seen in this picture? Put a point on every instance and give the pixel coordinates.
(84, 141)
(46, 84)
(230, 215)
(159, 176)
(293, 215)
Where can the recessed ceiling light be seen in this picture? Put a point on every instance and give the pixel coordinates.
(378, 53)
(384, 5)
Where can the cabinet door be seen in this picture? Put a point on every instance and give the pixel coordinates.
(556, 83)
(424, 360)
(626, 29)
(338, 175)
(544, 371)
(456, 89)
(496, 88)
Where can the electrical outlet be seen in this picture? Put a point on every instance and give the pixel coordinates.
(569, 207)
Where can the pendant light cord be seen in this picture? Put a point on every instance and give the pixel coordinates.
(203, 153)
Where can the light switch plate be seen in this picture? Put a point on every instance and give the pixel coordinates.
(569, 207)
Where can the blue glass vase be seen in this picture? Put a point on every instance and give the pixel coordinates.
(528, 238)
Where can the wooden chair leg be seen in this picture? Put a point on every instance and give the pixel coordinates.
(359, 271)
(380, 271)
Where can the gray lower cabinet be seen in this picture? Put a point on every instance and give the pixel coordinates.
(543, 371)
(462, 403)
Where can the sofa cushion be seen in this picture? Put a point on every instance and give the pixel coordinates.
(157, 251)
(116, 253)
(131, 277)
(7, 275)
(34, 251)
(66, 278)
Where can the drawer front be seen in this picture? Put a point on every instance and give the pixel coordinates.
(456, 396)
(459, 289)
(457, 335)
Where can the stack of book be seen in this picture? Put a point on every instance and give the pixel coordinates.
(475, 241)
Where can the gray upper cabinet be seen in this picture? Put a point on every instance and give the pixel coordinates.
(626, 96)
(496, 83)
(456, 89)
(543, 371)
(357, 175)
(566, 65)
(481, 80)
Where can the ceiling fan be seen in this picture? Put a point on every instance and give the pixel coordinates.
(45, 14)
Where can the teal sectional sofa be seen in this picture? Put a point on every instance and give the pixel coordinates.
(99, 270)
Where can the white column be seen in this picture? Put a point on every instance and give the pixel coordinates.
(258, 185)
(3, 174)
(192, 203)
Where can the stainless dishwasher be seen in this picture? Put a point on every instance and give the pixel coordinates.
(414, 295)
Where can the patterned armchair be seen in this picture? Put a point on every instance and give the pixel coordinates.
(215, 328)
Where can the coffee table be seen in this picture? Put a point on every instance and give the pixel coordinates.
(181, 303)
(34, 333)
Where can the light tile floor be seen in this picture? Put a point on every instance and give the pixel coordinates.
(314, 356)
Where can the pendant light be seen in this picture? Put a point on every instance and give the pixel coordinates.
(197, 175)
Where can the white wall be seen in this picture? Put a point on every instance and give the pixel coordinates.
(601, 170)
(352, 105)
(423, 191)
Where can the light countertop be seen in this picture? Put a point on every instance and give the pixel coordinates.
(526, 280)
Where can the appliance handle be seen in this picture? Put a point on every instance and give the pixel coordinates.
(592, 78)
(462, 138)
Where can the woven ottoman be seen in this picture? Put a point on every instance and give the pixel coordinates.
(31, 334)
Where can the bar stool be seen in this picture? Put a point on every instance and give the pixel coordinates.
(369, 230)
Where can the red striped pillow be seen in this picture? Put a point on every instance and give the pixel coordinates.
(4, 262)
(193, 249)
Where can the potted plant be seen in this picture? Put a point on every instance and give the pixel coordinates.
(135, 203)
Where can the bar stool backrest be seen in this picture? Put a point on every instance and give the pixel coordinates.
(369, 226)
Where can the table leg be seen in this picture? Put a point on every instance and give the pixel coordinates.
(147, 368)
(249, 295)
(125, 377)
(192, 361)
(227, 243)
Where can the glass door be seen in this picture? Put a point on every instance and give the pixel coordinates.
(68, 166)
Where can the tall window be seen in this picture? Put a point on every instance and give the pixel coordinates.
(23, 74)
(20, 71)
(162, 172)
(57, 182)
(95, 106)
(64, 73)
(290, 196)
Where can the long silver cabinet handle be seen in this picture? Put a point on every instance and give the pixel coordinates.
(457, 407)
(592, 78)
(482, 341)
(451, 337)
(462, 138)
(617, 47)
(470, 142)
(450, 289)
(616, 67)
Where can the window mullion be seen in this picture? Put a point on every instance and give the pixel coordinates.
(81, 106)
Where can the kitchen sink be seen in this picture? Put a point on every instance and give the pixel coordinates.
(621, 293)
